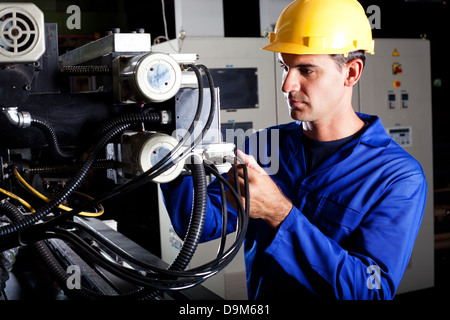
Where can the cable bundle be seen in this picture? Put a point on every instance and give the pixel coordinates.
(147, 277)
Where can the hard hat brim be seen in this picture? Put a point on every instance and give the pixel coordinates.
(294, 48)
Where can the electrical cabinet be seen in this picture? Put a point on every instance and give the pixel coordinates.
(396, 86)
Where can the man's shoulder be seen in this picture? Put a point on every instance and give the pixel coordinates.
(404, 159)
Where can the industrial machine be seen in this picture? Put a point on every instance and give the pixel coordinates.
(396, 85)
(74, 155)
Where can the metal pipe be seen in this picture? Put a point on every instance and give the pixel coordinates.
(21, 119)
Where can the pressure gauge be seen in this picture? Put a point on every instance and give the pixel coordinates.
(155, 149)
(140, 151)
(153, 77)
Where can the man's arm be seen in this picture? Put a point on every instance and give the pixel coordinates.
(373, 264)
(267, 202)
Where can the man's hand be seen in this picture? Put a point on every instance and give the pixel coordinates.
(267, 202)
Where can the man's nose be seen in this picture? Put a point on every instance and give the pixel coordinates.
(290, 82)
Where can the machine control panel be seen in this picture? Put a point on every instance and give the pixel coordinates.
(401, 135)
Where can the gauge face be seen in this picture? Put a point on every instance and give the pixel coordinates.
(158, 153)
(158, 77)
(153, 150)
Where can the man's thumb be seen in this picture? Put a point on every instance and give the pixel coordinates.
(250, 161)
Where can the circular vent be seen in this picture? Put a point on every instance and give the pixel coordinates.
(18, 32)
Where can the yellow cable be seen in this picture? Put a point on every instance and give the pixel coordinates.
(61, 206)
(90, 214)
(14, 196)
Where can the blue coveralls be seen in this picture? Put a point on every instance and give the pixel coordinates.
(351, 230)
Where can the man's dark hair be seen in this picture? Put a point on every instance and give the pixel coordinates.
(341, 60)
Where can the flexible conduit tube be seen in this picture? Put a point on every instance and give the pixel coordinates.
(11, 211)
(151, 117)
(25, 119)
(162, 117)
(160, 279)
(59, 272)
(115, 127)
(197, 220)
(52, 139)
(67, 190)
(62, 276)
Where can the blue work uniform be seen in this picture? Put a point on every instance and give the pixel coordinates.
(353, 224)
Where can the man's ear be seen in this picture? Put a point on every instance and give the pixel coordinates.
(354, 70)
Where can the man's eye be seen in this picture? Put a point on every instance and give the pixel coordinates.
(306, 71)
(284, 67)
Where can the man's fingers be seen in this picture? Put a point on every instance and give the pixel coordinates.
(231, 199)
(250, 162)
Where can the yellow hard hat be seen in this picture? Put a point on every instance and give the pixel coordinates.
(322, 27)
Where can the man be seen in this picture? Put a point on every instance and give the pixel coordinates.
(340, 216)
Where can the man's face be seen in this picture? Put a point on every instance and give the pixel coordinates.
(313, 86)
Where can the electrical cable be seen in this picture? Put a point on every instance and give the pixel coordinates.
(70, 187)
(16, 197)
(164, 164)
(66, 191)
(185, 279)
(167, 161)
(166, 34)
(58, 271)
(243, 213)
(156, 278)
(151, 277)
(61, 206)
(164, 279)
(224, 213)
(118, 125)
(132, 118)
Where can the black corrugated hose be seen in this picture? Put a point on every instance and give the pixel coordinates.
(60, 274)
(11, 211)
(133, 118)
(115, 127)
(67, 190)
(52, 139)
(61, 277)
(197, 220)
(153, 277)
